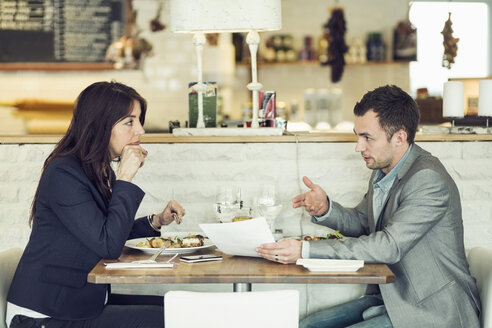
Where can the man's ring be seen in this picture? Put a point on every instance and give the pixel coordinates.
(276, 258)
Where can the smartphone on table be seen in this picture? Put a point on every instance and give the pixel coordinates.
(200, 258)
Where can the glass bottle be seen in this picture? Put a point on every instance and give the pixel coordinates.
(323, 49)
(307, 53)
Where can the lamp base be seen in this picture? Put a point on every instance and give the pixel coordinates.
(227, 132)
(470, 130)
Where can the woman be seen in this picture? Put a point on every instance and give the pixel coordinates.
(82, 212)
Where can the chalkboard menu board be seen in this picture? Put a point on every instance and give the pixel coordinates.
(59, 30)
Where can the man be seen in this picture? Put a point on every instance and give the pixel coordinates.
(410, 219)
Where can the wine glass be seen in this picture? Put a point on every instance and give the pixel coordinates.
(267, 204)
(227, 202)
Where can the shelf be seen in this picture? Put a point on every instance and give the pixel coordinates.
(55, 66)
(226, 132)
(300, 137)
(317, 63)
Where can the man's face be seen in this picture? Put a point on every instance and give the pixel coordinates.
(373, 144)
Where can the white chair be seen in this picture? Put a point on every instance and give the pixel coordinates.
(480, 260)
(8, 263)
(278, 308)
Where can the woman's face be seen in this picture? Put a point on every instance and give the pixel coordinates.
(127, 131)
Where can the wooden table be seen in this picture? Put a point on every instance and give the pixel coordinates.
(238, 270)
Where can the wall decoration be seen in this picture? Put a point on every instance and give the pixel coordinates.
(450, 44)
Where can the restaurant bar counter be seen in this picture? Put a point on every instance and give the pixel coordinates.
(191, 169)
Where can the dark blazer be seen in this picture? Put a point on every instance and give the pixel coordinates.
(73, 229)
(419, 234)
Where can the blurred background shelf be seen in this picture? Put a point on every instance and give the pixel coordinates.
(317, 63)
(55, 66)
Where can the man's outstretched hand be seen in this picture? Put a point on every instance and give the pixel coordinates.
(315, 200)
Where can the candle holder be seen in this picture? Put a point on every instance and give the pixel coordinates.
(453, 103)
(453, 128)
(485, 100)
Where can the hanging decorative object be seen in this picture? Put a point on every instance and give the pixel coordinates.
(450, 44)
(337, 46)
(155, 24)
(131, 49)
(405, 39)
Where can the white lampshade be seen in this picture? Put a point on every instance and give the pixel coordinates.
(485, 98)
(453, 99)
(212, 16)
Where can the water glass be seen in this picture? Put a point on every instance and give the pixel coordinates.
(268, 195)
(227, 202)
(267, 204)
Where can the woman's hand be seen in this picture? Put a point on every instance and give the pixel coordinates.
(173, 212)
(284, 251)
(314, 201)
(132, 158)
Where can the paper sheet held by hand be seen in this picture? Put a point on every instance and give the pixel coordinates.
(239, 238)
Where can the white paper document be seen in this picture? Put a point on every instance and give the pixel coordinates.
(239, 238)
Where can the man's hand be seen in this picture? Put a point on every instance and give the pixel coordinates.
(315, 200)
(172, 212)
(284, 251)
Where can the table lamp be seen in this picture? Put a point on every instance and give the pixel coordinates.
(214, 16)
(485, 99)
(453, 105)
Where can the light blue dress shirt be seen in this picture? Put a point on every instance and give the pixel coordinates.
(381, 185)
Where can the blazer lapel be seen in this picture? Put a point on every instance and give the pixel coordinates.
(380, 221)
(370, 214)
(415, 152)
(75, 163)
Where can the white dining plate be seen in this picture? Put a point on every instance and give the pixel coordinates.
(330, 265)
(331, 269)
(132, 243)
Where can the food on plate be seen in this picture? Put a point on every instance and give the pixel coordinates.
(145, 244)
(159, 242)
(241, 218)
(335, 235)
(191, 240)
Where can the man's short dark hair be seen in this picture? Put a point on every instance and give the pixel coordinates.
(395, 110)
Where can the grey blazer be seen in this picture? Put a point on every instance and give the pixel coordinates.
(419, 234)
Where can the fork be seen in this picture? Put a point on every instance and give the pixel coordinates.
(153, 258)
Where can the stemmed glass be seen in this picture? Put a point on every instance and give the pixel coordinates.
(267, 204)
(227, 202)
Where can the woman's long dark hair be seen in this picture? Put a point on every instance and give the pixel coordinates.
(97, 109)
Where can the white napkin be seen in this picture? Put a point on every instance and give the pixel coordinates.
(131, 265)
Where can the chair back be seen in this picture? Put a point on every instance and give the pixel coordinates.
(279, 308)
(480, 260)
(8, 263)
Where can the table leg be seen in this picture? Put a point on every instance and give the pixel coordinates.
(240, 287)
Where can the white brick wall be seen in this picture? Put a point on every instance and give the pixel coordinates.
(193, 172)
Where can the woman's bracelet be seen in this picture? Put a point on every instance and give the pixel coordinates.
(150, 218)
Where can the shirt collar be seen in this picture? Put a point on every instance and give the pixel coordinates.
(384, 182)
